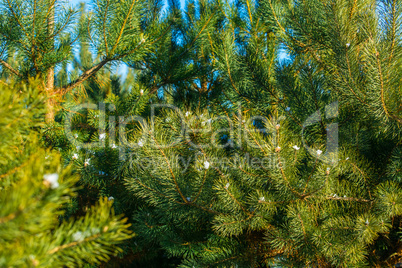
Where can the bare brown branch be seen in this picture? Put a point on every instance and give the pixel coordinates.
(11, 69)
(87, 74)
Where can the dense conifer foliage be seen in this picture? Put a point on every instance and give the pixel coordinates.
(36, 191)
(240, 133)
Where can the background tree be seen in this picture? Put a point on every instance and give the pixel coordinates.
(118, 32)
(308, 208)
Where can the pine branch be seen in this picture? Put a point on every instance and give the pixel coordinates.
(11, 69)
(53, 35)
(104, 27)
(350, 199)
(72, 244)
(249, 12)
(8, 218)
(394, 18)
(17, 19)
(123, 27)
(383, 90)
(170, 169)
(86, 75)
(98, 66)
(153, 42)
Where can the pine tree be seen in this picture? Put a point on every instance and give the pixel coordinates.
(35, 191)
(118, 31)
(100, 168)
(301, 163)
(309, 207)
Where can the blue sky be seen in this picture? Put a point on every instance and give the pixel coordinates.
(75, 2)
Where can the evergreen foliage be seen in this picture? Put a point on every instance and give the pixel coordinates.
(35, 190)
(275, 139)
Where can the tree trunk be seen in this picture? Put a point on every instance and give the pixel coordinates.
(50, 73)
